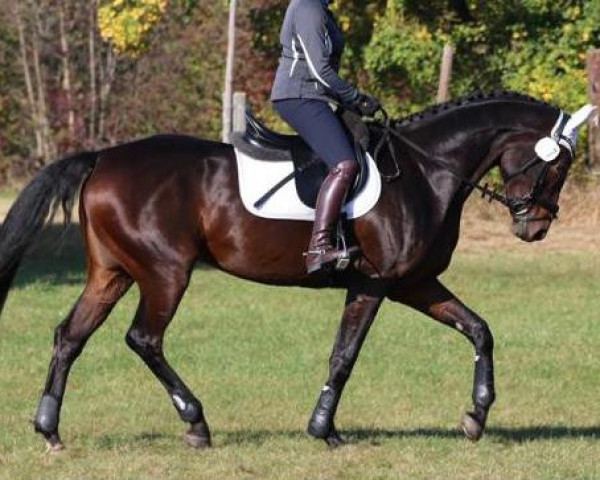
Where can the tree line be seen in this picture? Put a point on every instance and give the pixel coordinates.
(84, 74)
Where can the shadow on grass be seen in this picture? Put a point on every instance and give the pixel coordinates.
(375, 436)
(108, 442)
(542, 432)
(363, 436)
(503, 434)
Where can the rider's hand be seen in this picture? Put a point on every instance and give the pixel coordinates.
(366, 105)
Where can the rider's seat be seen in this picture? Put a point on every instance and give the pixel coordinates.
(260, 142)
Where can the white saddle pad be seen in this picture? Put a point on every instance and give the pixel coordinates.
(256, 177)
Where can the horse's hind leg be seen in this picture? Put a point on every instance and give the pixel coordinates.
(159, 299)
(361, 308)
(435, 300)
(104, 288)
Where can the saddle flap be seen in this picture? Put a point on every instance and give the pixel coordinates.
(257, 176)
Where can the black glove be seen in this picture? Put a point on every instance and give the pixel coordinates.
(366, 105)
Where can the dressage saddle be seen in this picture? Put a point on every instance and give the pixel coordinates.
(260, 142)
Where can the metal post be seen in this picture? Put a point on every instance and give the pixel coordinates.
(445, 74)
(227, 93)
(239, 112)
(593, 68)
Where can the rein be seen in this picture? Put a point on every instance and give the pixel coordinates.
(518, 206)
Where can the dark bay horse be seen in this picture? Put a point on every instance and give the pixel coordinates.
(149, 210)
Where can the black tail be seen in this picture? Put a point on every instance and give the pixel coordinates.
(55, 186)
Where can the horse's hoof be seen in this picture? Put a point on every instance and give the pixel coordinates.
(197, 441)
(472, 427)
(333, 440)
(54, 447)
(53, 442)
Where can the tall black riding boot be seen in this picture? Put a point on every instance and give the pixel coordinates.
(321, 251)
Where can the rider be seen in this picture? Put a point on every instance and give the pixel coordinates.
(305, 82)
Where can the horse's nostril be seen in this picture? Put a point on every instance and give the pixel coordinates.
(540, 235)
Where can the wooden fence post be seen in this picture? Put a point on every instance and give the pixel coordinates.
(593, 68)
(229, 67)
(239, 112)
(445, 74)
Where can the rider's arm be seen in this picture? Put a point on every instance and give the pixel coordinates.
(310, 32)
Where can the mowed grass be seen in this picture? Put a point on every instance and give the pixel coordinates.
(257, 357)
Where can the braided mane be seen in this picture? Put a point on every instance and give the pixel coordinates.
(470, 99)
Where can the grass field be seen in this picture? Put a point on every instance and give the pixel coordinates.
(257, 357)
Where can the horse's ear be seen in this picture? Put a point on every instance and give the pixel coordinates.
(578, 119)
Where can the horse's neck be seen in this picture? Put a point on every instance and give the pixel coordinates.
(429, 196)
(460, 141)
(458, 147)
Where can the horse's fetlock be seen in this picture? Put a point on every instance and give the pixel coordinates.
(321, 420)
(189, 409)
(484, 396)
(47, 416)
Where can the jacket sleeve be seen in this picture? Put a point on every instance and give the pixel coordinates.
(310, 32)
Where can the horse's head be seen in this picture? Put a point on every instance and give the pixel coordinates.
(534, 169)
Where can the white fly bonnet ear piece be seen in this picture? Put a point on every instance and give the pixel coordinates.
(547, 149)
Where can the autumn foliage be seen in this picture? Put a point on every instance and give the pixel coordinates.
(84, 74)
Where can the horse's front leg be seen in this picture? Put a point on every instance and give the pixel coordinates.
(359, 313)
(435, 300)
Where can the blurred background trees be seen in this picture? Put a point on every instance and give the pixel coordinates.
(534, 46)
(80, 74)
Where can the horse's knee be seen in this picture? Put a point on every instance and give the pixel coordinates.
(67, 347)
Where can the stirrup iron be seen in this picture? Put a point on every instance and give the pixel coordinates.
(343, 260)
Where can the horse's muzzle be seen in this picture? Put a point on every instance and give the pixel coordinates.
(531, 226)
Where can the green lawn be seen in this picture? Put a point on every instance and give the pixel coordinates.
(257, 357)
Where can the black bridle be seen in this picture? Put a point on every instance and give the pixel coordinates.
(519, 206)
